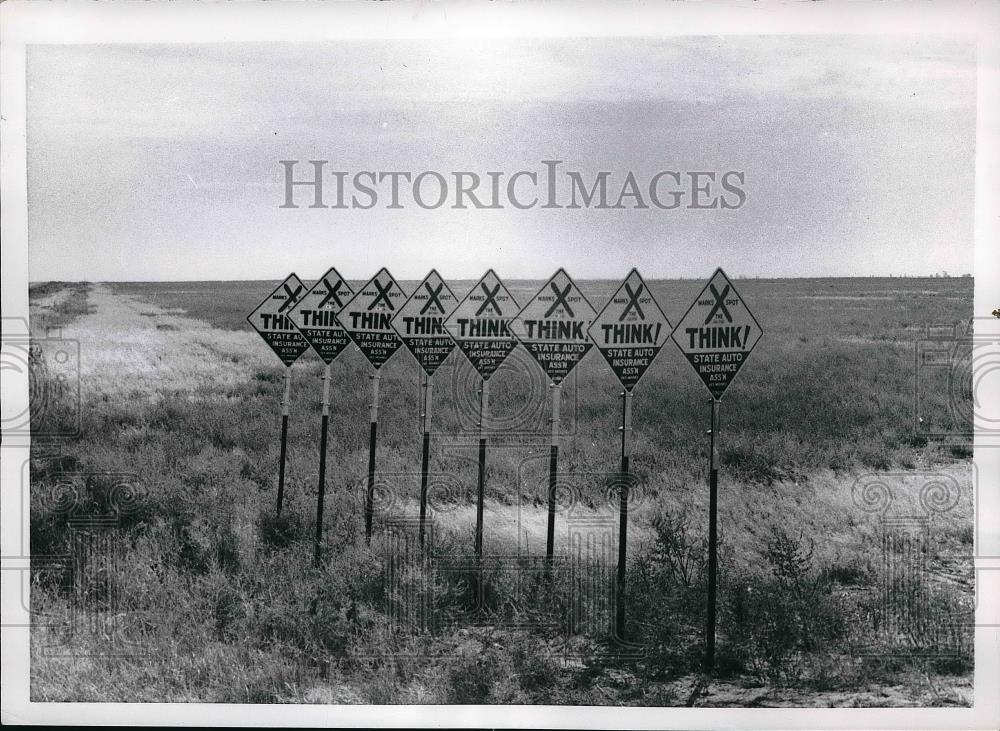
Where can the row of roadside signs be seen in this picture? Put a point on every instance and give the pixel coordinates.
(558, 326)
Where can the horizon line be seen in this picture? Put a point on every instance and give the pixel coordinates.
(540, 278)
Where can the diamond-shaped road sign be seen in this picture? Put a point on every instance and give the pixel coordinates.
(420, 322)
(367, 317)
(271, 319)
(717, 333)
(480, 325)
(553, 326)
(630, 330)
(315, 315)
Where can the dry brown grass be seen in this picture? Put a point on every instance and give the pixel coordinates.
(226, 611)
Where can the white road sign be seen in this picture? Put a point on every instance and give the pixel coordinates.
(367, 317)
(315, 315)
(271, 319)
(717, 333)
(420, 322)
(630, 330)
(553, 326)
(480, 325)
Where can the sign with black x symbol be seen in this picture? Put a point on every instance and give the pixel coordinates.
(420, 322)
(490, 300)
(631, 330)
(367, 317)
(273, 322)
(553, 326)
(315, 315)
(560, 299)
(291, 296)
(433, 297)
(717, 334)
(720, 303)
(480, 324)
(633, 302)
(382, 295)
(331, 294)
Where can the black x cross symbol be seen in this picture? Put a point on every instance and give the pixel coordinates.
(633, 301)
(719, 304)
(490, 298)
(291, 297)
(560, 299)
(331, 294)
(383, 294)
(432, 297)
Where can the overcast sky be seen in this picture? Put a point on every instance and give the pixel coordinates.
(161, 162)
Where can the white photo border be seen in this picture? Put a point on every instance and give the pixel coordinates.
(74, 22)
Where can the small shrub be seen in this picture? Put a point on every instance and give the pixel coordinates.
(280, 531)
(229, 610)
(536, 667)
(961, 451)
(667, 590)
(789, 558)
(960, 664)
(848, 573)
(775, 614)
(193, 554)
(876, 457)
(273, 682)
(966, 534)
(751, 466)
(227, 549)
(483, 675)
(679, 547)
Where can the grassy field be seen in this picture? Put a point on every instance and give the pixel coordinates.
(843, 525)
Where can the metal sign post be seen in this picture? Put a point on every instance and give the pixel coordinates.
(315, 316)
(285, 402)
(324, 425)
(480, 326)
(629, 332)
(484, 408)
(420, 325)
(550, 526)
(717, 334)
(272, 321)
(553, 329)
(713, 541)
(367, 318)
(425, 453)
(372, 442)
(623, 515)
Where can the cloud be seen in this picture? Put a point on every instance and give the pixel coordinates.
(848, 143)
